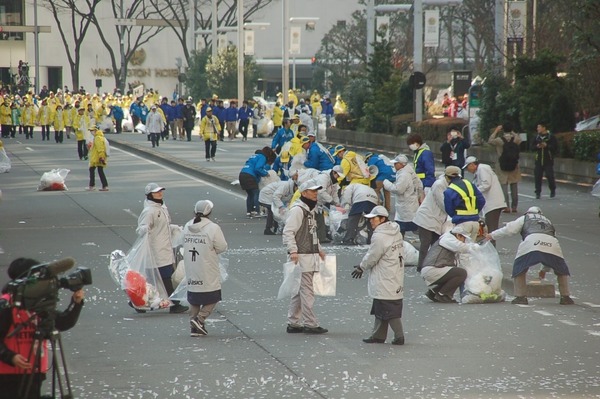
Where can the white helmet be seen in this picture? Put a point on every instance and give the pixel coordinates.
(534, 209)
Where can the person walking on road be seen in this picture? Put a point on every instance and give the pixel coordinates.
(509, 178)
(209, 131)
(303, 248)
(98, 159)
(545, 146)
(423, 161)
(189, 119)
(155, 222)
(539, 245)
(384, 263)
(203, 241)
(155, 125)
(463, 201)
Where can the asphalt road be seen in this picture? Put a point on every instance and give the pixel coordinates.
(543, 350)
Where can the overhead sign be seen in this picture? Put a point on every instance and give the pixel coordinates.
(138, 91)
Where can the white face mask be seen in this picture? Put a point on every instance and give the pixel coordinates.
(414, 147)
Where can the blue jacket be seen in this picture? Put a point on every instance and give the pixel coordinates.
(231, 114)
(117, 112)
(144, 113)
(169, 111)
(454, 202)
(385, 170)
(425, 166)
(135, 109)
(256, 166)
(245, 113)
(281, 137)
(279, 167)
(179, 111)
(327, 108)
(317, 158)
(219, 112)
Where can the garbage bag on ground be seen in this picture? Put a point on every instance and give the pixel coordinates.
(337, 223)
(596, 189)
(271, 177)
(53, 180)
(484, 275)
(411, 254)
(106, 125)
(5, 164)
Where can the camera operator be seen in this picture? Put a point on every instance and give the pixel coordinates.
(16, 365)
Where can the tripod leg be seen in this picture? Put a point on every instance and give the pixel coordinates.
(34, 379)
(56, 340)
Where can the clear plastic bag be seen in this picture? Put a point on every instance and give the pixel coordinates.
(54, 180)
(484, 275)
(596, 189)
(411, 254)
(337, 224)
(5, 164)
(290, 286)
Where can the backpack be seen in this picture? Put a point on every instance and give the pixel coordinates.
(509, 159)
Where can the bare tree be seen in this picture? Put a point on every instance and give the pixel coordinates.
(130, 38)
(80, 15)
(178, 10)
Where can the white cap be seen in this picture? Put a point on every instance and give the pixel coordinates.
(153, 188)
(204, 207)
(459, 230)
(309, 185)
(534, 209)
(469, 160)
(311, 134)
(338, 169)
(400, 158)
(377, 211)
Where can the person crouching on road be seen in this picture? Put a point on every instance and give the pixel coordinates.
(440, 271)
(539, 245)
(384, 262)
(203, 241)
(303, 247)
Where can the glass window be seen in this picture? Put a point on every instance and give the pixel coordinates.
(11, 14)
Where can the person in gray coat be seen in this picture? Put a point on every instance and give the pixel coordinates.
(303, 248)
(384, 263)
(155, 222)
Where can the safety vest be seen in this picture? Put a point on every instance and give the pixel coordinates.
(468, 197)
(21, 342)
(419, 175)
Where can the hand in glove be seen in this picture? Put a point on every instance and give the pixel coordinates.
(357, 273)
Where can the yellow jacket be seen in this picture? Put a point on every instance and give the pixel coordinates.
(28, 115)
(207, 128)
(44, 115)
(296, 146)
(81, 124)
(5, 116)
(277, 116)
(58, 119)
(97, 152)
(351, 169)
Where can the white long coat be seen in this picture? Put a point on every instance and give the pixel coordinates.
(487, 182)
(431, 214)
(155, 221)
(406, 189)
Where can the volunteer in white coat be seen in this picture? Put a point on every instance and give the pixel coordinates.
(384, 263)
(408, 191)
(487, 182)
(203, 241)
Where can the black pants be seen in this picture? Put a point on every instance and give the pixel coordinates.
(271, 223)
(100, 174)
(426, 238)
(119, 125)
(243, 128)
(58, 136)
(154, 138)
(165, 133)
(538, 173)
(5, 130)
(210, 147)
(166, 272)
(448, 284)
(28, 132)
(45, 132)
(188, 132)
(82, 149)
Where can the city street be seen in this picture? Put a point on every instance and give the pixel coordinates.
(542, 350)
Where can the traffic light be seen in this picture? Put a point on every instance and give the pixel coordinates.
(313, 61)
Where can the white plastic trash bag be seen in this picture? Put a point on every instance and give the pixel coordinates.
(411, 254)
(271, 177)
(53, 180)
(5, 164)
(106, 125)
(596, 189)
(140, 128)
(292, 274)
(484, 275)
(324, 282)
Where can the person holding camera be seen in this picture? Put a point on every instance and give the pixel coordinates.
(453, 150)
(98, 158)
(17, 364)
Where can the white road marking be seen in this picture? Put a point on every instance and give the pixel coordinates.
(591, 305)
(592, 332)
(543, 313)
(130, 212)
(29, 149)
(569, 322)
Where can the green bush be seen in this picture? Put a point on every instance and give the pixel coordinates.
(346, 122)
(565, 144)
(586, 145)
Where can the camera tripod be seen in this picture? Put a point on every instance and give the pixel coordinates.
(64, 384)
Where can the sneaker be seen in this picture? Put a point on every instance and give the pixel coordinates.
(443, 298)
(552, 194)
(520, 300)
(198, 325)
(514, 210)
(398, 341)
(314, 330)
(269, 232)
(178, 309)
(195, 332)
(103, 189)
(249, 215)
(566, 300)
(372, 340)
(212, 159)
(431, 295)
(506, 210)
(293, 329)
(207, 159)
(90, 188)
(537, 196)
(254, 214)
